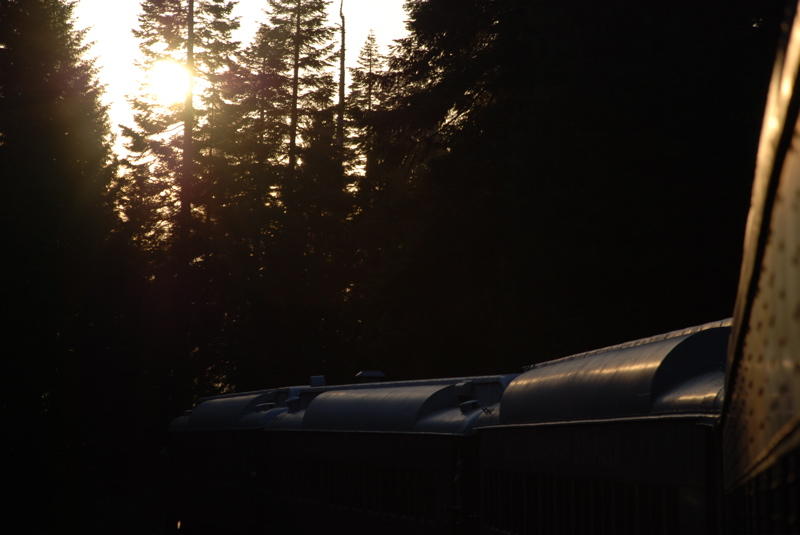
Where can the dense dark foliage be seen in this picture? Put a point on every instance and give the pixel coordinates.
(519, 180)
(580, 174)
(67, 304)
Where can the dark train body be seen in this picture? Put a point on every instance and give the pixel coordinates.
(608, 440)
(696, 431)
(620, 440)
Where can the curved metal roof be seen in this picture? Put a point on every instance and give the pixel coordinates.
(678, 372)
(620, 381)
(452, 407)
(246, 410)
(448, 405)
(701, 394)
(376, 409)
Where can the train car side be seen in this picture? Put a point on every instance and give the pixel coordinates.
(762, 416)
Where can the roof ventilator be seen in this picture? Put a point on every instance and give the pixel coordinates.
(469, 406)
(293, 403)
(316, 380)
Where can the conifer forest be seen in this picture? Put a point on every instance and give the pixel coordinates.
(514, 181)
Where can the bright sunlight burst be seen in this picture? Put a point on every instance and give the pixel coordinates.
(168, 81)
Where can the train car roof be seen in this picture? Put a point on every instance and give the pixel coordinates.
(674, 373)
(445, 405)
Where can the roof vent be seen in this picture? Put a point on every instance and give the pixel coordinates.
(469, 406)
(316, 380)
(464, 390)
(265, 406)
(293, 403)
(370, 376)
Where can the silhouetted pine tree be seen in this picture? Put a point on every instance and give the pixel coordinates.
(189, 249)
(263, 98)
(289, 155)
(304, 23)
(259, 94)
(320, 199)
(63, 294)
(282, 87)
(155, 141)
(364, 98)
(376, 233)
(215, 61)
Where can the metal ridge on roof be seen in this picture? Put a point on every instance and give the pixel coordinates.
(635, 343)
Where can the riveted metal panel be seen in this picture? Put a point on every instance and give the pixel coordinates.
(763, 406)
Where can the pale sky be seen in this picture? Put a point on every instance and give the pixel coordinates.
(110, 23)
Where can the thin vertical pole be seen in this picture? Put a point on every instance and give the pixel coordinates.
(295, 86)
(188, 122)
(340, 122)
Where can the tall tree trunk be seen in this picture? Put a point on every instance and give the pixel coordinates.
(368, 165)
(188, 129)
(370, 80)
(295, 88)
(262, 119)
(340, 118)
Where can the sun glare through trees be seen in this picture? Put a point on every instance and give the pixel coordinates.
(169, 82)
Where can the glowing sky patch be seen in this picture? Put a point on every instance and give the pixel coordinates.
(168, 81)
(109, 24)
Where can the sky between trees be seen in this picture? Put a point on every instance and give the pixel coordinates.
(109, 25)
